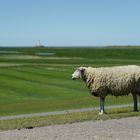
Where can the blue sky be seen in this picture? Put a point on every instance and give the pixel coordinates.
(69, 22)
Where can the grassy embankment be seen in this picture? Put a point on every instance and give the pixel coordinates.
(39, 80)
(65, 118)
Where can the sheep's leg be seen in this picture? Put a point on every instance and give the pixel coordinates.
(102, 99)
(138, 97)
(135, 103)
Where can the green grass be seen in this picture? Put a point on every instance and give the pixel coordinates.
(31, 83)
(65, 118)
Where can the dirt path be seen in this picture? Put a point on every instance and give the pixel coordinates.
(116, 129)
(60, 112)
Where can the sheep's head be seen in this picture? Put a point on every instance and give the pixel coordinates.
(78, 73)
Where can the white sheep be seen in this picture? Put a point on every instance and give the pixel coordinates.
(117, 81)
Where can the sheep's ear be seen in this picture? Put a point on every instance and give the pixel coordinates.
(82, 69)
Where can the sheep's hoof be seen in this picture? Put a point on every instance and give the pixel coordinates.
(135, 110)
(101, 112)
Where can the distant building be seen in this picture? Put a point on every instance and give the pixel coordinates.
(39, 45)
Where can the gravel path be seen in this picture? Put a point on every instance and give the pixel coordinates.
(116, 129)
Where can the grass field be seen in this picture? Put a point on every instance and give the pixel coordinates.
(39, 80)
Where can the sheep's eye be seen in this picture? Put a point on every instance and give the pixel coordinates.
(78, 70)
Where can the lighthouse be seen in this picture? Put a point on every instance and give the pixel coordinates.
(39, 45)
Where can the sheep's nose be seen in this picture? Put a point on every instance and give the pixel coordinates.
(73, 78)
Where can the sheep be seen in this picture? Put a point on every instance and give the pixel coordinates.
(116, 81)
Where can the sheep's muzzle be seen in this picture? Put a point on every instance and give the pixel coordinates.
(73, 78)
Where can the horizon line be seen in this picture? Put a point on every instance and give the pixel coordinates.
(45, 46)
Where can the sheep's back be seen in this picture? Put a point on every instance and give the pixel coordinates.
(115, 80)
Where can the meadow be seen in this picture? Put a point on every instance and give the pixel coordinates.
(39, 79)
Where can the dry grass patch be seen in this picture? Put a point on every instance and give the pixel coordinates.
(65, 118)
